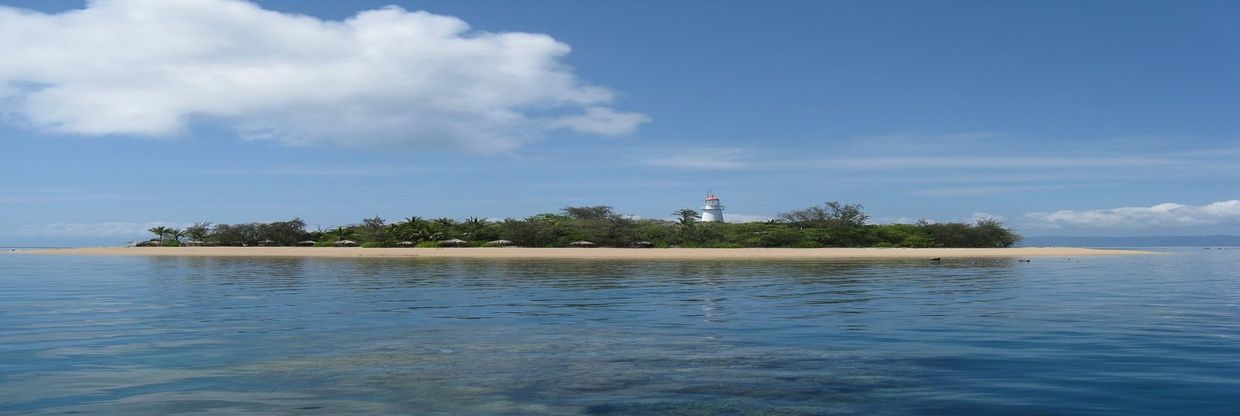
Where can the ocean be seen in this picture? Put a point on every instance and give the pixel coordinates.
(1153, 335)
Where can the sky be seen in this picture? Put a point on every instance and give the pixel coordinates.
(1106, 118)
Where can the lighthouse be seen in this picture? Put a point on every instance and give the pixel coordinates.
(712, 211)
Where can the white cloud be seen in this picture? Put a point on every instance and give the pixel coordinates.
(983, 190)
(385, 77)
(988, 162)
(1161, 215)
(601, 120)
(700, 159)
(100, 229)
(61, 194)
(746, 217)
(309, 171)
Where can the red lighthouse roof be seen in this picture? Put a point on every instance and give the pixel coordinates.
(712, 198)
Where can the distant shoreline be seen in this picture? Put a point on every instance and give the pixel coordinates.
(598, 253)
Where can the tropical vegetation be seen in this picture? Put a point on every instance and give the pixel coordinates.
(830, 225)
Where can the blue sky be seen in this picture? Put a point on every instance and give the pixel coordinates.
(1062, 118)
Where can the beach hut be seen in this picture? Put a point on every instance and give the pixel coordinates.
(642, 244)
(455, 242)
(267, 243)
(498, 243)
(345, 243)
(194, 243)
(405, 244)
(582, 244)
(307, 243)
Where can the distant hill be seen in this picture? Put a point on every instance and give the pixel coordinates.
(1141, 241)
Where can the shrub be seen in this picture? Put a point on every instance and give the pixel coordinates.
(917, 241)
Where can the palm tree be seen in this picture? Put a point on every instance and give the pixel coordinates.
(687, 216)
(473, 224)
(443, 227)
(160, 231)
(176, 233)
(198, 231)
(418, 233)
(415, 229)
(342, 233)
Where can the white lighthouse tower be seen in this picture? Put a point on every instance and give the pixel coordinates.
(712, 211)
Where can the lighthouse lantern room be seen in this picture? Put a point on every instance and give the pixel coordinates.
(712, 211)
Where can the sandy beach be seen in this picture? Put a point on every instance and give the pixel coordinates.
(600, 253)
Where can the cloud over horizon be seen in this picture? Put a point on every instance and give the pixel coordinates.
(1166, 215)
(385, 77)
(99, 229)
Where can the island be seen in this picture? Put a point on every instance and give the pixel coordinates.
(831, 231)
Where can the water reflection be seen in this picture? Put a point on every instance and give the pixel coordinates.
(441, 336)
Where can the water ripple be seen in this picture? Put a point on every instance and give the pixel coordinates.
(1139, 335)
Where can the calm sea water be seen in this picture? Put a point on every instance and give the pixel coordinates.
(133, 336)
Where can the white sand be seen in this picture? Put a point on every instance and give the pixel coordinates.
(600, 253)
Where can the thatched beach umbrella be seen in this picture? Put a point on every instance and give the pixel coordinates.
(307, 243)
(455, 242)
(345, 243)
(405, 244)
(582, 244)
(642, 244)
(498, 243)
(267, 243)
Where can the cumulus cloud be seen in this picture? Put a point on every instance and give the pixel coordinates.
(100, 229)
(382, 77)
(705, 159)
(1157, 216)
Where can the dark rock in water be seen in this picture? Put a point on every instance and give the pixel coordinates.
(937, 259)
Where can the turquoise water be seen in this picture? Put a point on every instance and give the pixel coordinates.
(134, 336)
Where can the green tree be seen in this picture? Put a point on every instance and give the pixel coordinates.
(414, 229)
(831, 214)
(686, 217)
(342, 233)
(161, 232)
(373, 229)
(597, 212)
(199, 231)
(831, 224)
(284, 233)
